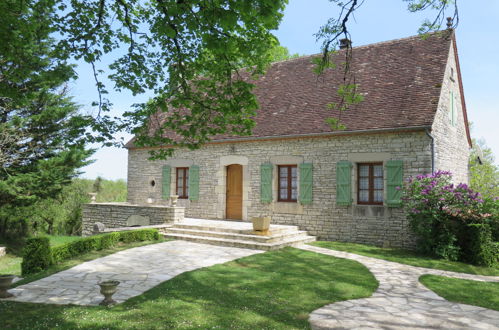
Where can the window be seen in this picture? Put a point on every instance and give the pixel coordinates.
(370, 183)
(287, 183)
(182, 182)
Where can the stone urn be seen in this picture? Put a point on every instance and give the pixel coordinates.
(261, 225)
(5, 282)
(108, 288)
(92, 197)
(173, 200)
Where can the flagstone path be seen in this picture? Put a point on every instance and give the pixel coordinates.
(138, 270)
(401, 302)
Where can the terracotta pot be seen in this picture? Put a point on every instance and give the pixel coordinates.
(261, 223)
(5, 282)
(108, 288)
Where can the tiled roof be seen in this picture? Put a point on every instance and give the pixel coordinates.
(400, 80)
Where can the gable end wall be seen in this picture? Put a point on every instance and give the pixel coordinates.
(451, 144)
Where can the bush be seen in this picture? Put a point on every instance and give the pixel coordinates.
(440, 214)
(36, 255)
(93, 243)
(478, 248)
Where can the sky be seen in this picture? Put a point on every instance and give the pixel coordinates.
(377, 20)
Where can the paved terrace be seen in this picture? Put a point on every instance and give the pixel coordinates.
(138, 269)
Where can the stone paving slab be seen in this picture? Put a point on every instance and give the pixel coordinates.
(401, 302)
(138, 269)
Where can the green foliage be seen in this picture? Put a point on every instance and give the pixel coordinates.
(36, 255)
(484, 174)
(443, 216)
(60, 215)
(39, 255)
(478, 247)
(42, 134)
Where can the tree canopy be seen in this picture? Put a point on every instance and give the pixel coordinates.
(42, 134)
(189, 53)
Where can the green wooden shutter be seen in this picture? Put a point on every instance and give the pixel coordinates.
(165, 191)
(306, 183)
(394, 179)
(344, 183)
(194, 183)
(266, 183)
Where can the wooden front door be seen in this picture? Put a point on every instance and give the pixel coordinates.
(234, 192)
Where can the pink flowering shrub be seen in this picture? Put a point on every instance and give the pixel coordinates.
(441, 213)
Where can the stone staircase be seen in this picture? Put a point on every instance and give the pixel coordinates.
(235, 234)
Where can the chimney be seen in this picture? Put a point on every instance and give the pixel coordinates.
(345, 43)
(449, 22)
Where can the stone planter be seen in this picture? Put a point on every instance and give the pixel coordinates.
(108, 288)
(5, 282)
(173, 200)
(261, 225)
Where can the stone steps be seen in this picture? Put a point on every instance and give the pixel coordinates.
(241, 243)
(274, 237)
(236, 234)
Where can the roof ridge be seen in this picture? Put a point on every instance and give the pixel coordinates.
(379, 43)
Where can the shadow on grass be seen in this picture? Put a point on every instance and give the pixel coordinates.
(270, 290)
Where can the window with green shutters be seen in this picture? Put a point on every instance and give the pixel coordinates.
(165, 185)
(306, 182)
(344, 183)
(266, 183)
(194, 183)
(394, 177)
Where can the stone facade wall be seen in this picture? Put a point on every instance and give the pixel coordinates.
(116, 215)
(377, 225)
(451, 145)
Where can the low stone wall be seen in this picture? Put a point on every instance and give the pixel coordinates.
(116, 215)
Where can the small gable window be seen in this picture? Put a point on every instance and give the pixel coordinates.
(452, 109)
(370, 183)
(182, 182)
(287, 183)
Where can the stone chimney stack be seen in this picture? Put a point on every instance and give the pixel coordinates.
(345, 43)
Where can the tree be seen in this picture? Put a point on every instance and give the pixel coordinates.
(42, 135)
(190, 54)
(484, 174)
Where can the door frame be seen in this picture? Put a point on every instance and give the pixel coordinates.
(226, 188)
(221, 185)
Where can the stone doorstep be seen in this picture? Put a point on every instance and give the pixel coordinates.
(241, 243)
(273, 228)
(272, 238)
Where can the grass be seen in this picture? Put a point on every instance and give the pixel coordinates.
(407, 257)
(273, 290)
(11, 264)
(60, 240)
(483, 294)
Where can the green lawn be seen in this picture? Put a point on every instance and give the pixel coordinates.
(483, 294)
(11, 264)
(407, 257)
(273, 290)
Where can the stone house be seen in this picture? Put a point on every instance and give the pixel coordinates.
(337, 185)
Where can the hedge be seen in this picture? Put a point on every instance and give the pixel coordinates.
(38, 255)
(478, 248)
